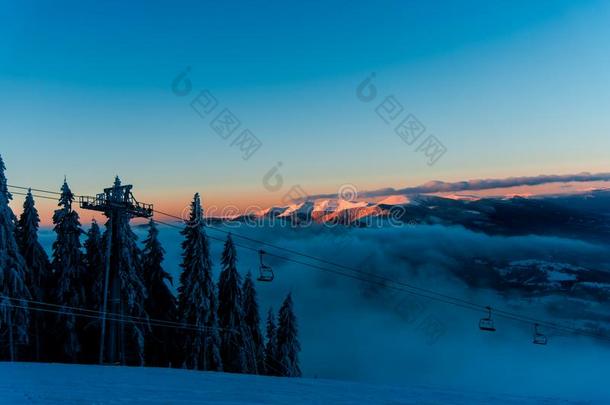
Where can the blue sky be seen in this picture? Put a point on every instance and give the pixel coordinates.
(510, 88)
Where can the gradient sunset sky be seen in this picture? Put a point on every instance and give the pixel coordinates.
(511, 88)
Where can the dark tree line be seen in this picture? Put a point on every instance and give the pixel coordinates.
(50, 308)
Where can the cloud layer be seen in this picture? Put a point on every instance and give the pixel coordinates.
(357, 331)
(477, 185)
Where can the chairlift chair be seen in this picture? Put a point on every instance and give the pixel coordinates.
(487, 324)
(539, 338)
(265, 272)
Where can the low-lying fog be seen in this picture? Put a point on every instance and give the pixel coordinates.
(354, 330)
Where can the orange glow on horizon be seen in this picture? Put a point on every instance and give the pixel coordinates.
(232, 203)
(531, 191)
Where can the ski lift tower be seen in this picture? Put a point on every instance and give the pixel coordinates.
(119, 205)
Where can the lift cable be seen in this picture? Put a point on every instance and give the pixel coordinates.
(364, 276)
(91, 313)
(503, 314)
(119, 319)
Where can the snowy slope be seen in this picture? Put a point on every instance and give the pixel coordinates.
(23, 383)
(395, 200)
(298, 209)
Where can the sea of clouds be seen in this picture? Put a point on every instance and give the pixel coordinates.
(350, 329)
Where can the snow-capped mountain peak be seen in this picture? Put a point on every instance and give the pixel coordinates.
(304, 208)
(395, 200)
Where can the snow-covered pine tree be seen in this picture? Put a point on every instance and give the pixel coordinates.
(160, 303)
(14, 320)
(197, 302)
(94, 264)
(255, 349)
(69, 274)
(94, 276)
(37, 276)
(271, 363)
(230, 312)
(288, 346)
(132, 291)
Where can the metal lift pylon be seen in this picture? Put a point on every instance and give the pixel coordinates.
(118, 204)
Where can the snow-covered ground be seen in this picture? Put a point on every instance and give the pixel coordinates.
(22, 383)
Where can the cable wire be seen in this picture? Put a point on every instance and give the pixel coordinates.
(364, 276)
(475, 307)
(115, 316)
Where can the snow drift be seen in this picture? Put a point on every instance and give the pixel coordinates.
(25, 383)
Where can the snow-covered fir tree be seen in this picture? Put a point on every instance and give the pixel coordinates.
(160, 303)
(288, 346)
(94, 276)
(37, 276)
(197, 301)
(255, 349)
(94, 264)
(14, 314)
(35, 257)
(132, 291)
(271, 361)
(70, 292)
(230, 312)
